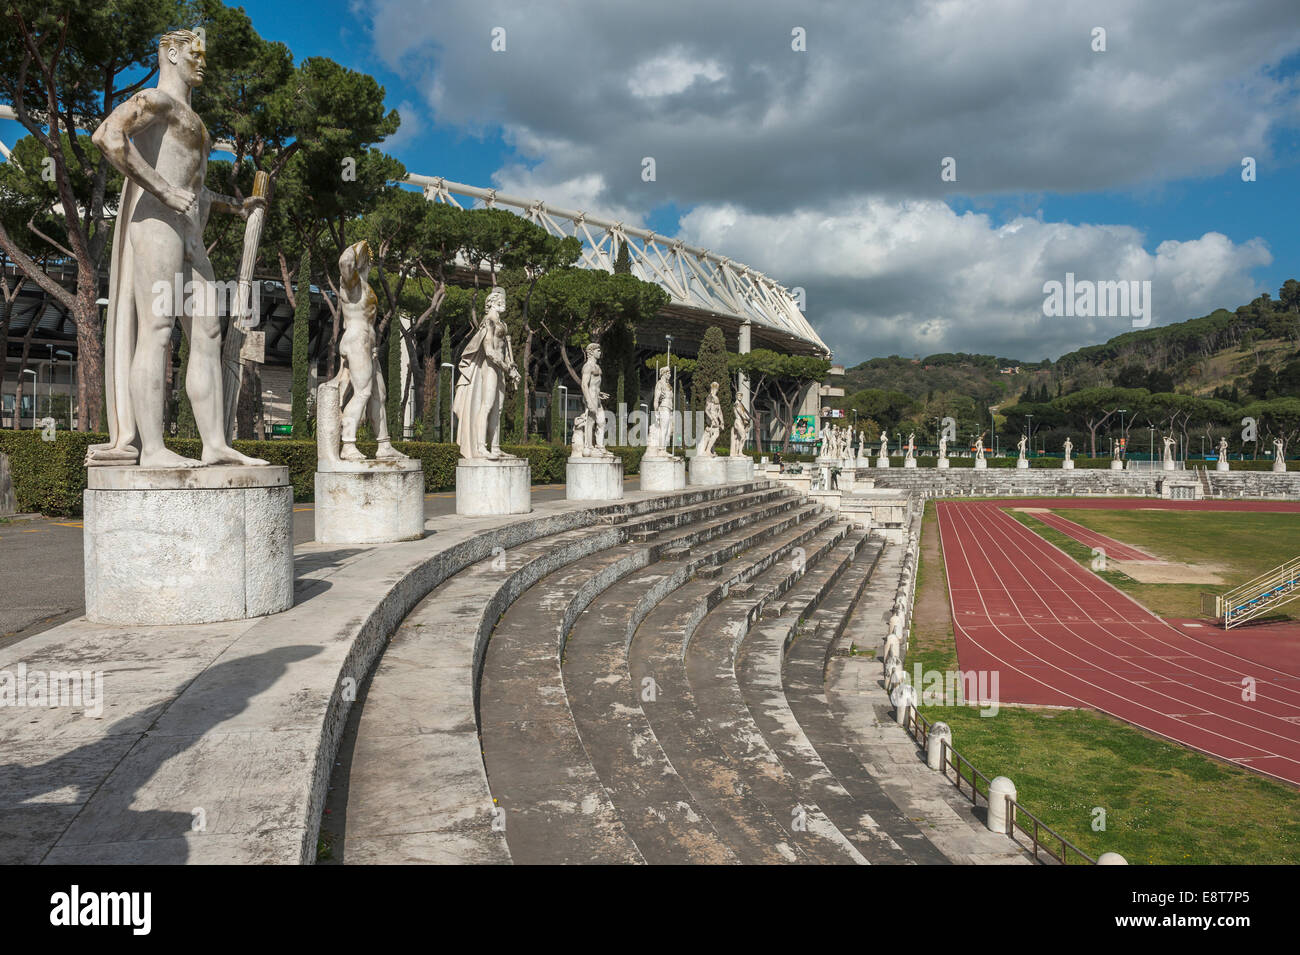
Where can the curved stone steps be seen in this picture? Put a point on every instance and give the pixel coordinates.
(756, 830)
(882, 832)
(611, 705)
(655, 806)
(555, 806)
(710, 670)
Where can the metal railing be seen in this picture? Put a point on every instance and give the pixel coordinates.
(1041, 837)
(1068, 853)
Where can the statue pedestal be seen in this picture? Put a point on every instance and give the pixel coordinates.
(1022, 464)
(705, 471)
(1221, 464)
(909, 462)
(493, 487)
(663, 474)
(187, 545)
(594, 479)
(1067, 465)
(863, 463)
(369, 502)
(943, 464)
(882, 462)
(1168, 465)
(1279, 465)
(740, 469)
(1117, 465)
(981, 464)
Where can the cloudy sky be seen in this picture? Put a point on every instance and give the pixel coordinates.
(822, 167)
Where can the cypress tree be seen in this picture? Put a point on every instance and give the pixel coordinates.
(185, 425)
(301, 345)
(557, 416)
(711, 366)
(393, 381)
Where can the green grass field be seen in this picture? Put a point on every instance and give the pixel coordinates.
(1163, 803)
(1240, 544)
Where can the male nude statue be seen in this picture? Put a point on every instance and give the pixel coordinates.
(593, 429)
(159, 144)
(358, 359)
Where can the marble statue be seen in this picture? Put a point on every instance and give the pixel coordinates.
(740, 425)
(979, 448)
(712, 424)
(589, 427)
(943, 447)
(1169, 449)
(1223, 448)
(1021, 444)
(359, 370)
(884, 444)
(661, 430)
(1279, 450)
(486, 364)
(862, 444)
(1069, 447)
(1114, 449)
(161, 147)
(911, 446)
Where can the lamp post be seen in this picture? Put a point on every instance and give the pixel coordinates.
(1123, 435)
(19, 411)
(68, 355)
(1031, 432)
(1152, 453)
(564, 416)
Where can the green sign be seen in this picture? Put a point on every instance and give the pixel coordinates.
(805, 428)
(282, 429)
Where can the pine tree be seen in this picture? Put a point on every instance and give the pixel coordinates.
(301, 345)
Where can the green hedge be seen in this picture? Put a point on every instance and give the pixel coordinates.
(50, 476)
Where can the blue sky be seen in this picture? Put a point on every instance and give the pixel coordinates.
(821, 168)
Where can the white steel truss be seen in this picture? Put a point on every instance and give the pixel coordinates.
(695, 278)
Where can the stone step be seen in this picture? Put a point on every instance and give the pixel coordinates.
(608, 708)
(851, 799)
(756, 828)
(556, 808)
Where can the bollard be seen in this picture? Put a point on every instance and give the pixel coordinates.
(904, 698)
(999, 819)
(940, 733)
(1111, 858)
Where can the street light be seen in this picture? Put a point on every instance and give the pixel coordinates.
(1152, 453)
(68, 355)
(1031, 432)
(672, 438)
(564, 416)
(19, 411)
(1123, 435)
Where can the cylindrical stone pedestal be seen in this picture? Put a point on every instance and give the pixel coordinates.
(981, 464)
(909, 462)
(943, 464)
(594, 479)
(1221, 464)
(882, 462)
(740, 469)
(1168, 465)
(1117, 465)
(1067, 465)
(486, 488)
(663, 474)
(187, 545)
(705, 471)
(940, 733)
(369, 502)
(1279, 464)
(1022, 464)
(999, 817)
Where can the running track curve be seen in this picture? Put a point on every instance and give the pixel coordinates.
(1056, 634)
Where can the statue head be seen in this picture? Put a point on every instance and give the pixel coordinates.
(664, 372)
(713, 389)
(183, 52)
(593, 351)
(496, 300)
(354, 263)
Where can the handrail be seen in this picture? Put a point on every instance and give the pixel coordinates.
(919, 728)
(1271, 589)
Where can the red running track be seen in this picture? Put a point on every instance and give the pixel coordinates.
(1116, 550)
(1057, 634)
